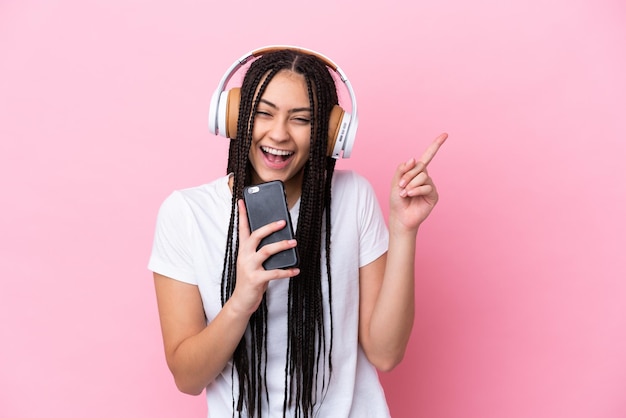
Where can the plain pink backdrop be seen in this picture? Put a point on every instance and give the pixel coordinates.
(521, 288)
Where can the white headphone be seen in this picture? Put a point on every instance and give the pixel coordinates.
(224, 107)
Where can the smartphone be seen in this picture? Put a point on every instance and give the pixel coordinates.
(266, 203)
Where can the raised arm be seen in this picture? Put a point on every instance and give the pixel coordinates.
(196, 352)
(387, 300)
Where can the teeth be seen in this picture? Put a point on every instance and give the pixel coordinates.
(276, 151)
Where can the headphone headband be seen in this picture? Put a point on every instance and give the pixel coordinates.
(220, 111)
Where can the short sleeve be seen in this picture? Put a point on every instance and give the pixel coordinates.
(174, 237)
(373, 233)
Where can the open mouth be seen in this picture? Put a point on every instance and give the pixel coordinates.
(274, 155)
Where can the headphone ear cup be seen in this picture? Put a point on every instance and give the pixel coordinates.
(232, 112)
(228, 113)
(334, 128)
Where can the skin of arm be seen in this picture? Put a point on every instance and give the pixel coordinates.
(387, 296)
(196, 352)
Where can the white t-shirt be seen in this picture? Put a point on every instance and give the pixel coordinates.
(189, 246)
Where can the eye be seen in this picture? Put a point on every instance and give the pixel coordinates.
(262, 113)
(302, 118)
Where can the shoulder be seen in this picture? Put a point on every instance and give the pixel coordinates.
(353, 193)
(351, 180)
(200, 201)
(202, 195)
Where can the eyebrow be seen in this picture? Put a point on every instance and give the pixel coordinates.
(295, 110)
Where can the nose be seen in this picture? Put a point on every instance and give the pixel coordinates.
(279, 130)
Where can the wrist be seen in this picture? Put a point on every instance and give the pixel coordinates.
(236, 310)
(401, 230)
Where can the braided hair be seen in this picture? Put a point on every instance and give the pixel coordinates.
(308, 347)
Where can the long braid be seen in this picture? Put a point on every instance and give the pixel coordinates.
(306, 295)
(249, 365)
(330, 168)
(306, 340)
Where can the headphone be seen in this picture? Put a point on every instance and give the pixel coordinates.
(224, 107)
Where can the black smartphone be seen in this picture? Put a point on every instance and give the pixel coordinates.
(266, 203)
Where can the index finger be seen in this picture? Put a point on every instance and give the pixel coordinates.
(432, 149)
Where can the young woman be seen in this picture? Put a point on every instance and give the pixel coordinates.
(303, 341)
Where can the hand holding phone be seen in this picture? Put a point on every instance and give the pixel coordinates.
(266, 203)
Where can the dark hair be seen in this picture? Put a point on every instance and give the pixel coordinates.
(307, 342)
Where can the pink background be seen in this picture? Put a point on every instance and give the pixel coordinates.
(521, 292)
